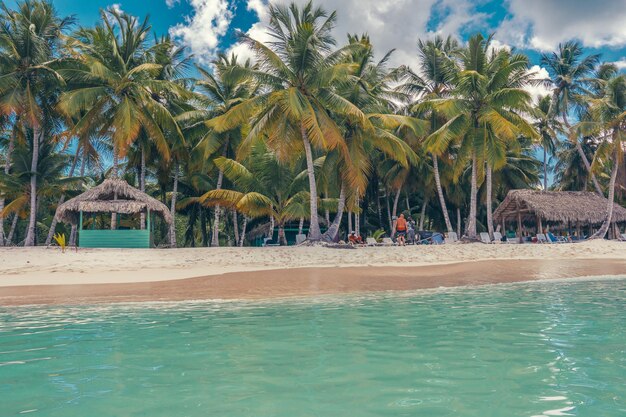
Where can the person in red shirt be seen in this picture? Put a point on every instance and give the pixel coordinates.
(401, 229)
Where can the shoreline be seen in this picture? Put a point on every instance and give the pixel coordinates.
(313, 281)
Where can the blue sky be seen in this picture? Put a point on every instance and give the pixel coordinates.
(534, 26)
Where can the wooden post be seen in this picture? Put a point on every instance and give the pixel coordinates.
(539, 225)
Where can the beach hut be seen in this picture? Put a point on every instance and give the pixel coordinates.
(118, 197)
(569, 208)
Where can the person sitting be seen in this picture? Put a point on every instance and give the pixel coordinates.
(410, 233)
(353, 239)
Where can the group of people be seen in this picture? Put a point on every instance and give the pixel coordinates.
(403, 231)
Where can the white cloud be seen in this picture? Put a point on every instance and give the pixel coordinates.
(390, 24)
(542, 24)
(257, 31)
(171, 3)
(203, 30)
(536, 91)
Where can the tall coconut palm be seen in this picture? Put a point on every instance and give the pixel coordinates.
(608, 121)
(435, 82)
(299, 69)
(225, 87)
(484, 110)
(30, 37)
(570, 72)
(114, 85)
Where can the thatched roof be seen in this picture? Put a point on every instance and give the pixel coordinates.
(100, 199)
(557, 206)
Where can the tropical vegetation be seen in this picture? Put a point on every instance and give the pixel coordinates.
(315, 134)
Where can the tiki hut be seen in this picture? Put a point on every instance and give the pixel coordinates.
(112, 196)
(578, 208)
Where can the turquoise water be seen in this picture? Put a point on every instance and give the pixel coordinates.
(542, 349)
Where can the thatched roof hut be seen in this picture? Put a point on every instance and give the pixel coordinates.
(556, 206)
(128, 200)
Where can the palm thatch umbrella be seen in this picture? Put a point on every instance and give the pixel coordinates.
(112, 196)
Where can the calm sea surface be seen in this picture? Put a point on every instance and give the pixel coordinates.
(540, 349)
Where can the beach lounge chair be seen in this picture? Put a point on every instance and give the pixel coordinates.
(623, 237)
(497, 237)
(300, 238)
(484, 237)
(541, 238)
(387, 242)
(370, 241)
(555, 239)
(452, 237)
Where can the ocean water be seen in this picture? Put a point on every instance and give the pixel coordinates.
(540, 349)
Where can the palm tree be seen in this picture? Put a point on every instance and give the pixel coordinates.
(548, 127)
(30, 37)
(263, 187)
(225, 87)
(608, 120)
(570, 71)
(435, 82)
(483, 112)
(300, 71)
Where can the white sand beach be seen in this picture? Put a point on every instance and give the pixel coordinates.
(48, 266)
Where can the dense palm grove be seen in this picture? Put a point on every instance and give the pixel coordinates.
(315, 134)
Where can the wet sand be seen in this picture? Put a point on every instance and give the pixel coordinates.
(313, 281)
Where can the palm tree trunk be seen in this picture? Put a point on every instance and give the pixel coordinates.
(235, 227)
(442, 200)
(350, 222)
(203, 231)
(74, 229)
(545, 169)
(600, 234)
(142, 184)
(408, 205)
(215, 236)
(314, 224)
(115, 175)
(271, 229)
(30, 235)
(173, 207)
(243, 231)
(458, 221)
(396, 200)
(583, 157)
(12, 230)
(333, 228)
(423, 213)
(301, 225)
(7, 169)
(488, 203)
(470, 230)
(53, 225)
(389, 218)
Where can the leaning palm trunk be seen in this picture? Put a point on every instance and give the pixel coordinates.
(396, 199)
(583, 157)
(333, 229)
(30, 235)
(12, 230)
(314, 225)
(173, 207)
(470, 230)
(488, 203)
(600, 234)
(442, 200)
(7, 168)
